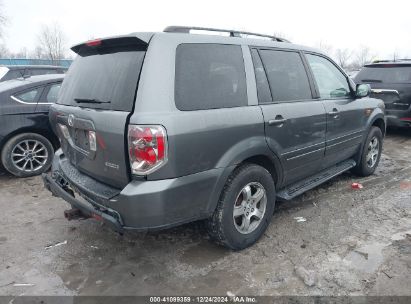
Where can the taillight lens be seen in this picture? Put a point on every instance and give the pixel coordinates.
(147, 148)
(64, 130)
(92, 140)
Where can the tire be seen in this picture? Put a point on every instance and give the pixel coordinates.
(367, 166)
(19, 161)
(228, 229)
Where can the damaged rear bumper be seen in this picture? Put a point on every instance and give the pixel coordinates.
(142, 204)
(58, 186)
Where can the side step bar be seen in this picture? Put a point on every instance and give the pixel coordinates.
(300, 187)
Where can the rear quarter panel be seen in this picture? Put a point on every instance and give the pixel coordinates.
(18, 118)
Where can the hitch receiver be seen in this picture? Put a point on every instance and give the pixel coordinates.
(74, 214)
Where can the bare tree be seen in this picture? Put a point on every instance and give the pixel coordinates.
(23, 53)
(52, 42)
(38, 53)
(3, 19)
(364, 56)
(4, 52)
(326, 48)
(343, 57)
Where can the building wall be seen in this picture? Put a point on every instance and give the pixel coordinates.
(13, 61)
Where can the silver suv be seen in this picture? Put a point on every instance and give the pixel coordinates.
(161, 129)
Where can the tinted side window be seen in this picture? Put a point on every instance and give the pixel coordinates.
(286, 75)
(28, 96)
(330, 81)
(263, 90)
(209, 76)
(53, 93)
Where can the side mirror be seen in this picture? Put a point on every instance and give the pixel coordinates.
(363, 90)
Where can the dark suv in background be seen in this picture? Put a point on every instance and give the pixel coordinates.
(160, 129)
(9, 72)
(391, 82)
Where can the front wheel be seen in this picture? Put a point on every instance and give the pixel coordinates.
(371, 153)
(245, 208)
(27, 154)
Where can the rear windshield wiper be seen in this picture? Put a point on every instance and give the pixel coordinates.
(371, 80)
(90, 100)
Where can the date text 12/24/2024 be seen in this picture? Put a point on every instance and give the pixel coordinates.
(203, 299)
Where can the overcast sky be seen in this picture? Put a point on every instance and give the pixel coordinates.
(384, 26)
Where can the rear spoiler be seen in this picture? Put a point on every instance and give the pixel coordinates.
(139, 40)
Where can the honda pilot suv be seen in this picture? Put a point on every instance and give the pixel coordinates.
(161, 129)
(391, 82)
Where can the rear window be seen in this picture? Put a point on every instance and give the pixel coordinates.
(13, 74)
(209, 76)
(108, 76)
(387, 74)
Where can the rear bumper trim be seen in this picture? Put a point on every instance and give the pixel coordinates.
(56, 186)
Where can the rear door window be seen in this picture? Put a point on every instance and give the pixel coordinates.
(209, 76)
(106, 76)
(331, 82)
(286, 75)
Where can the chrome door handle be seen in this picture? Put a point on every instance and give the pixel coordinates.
(334, 113)
(274, 122)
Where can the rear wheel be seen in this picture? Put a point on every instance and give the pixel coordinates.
(245, 208)
(371, 153)
(27, 154)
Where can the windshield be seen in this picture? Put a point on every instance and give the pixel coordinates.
(104, 80)
(385, 74)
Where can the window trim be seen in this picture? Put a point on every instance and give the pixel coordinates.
(265, 76)
(309, 76)
(352, 92)
(36, 98)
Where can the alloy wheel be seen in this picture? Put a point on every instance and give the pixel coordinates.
(249, 209)
(29, 155)
(373, 152)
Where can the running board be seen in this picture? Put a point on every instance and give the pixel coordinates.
(300, 187)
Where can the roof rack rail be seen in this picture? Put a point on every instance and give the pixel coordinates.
(233, 33)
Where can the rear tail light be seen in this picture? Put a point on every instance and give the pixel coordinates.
(64, 131)
(147, 148)
(92, 140)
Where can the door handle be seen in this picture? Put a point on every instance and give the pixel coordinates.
(277, 121)
(334, 113)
